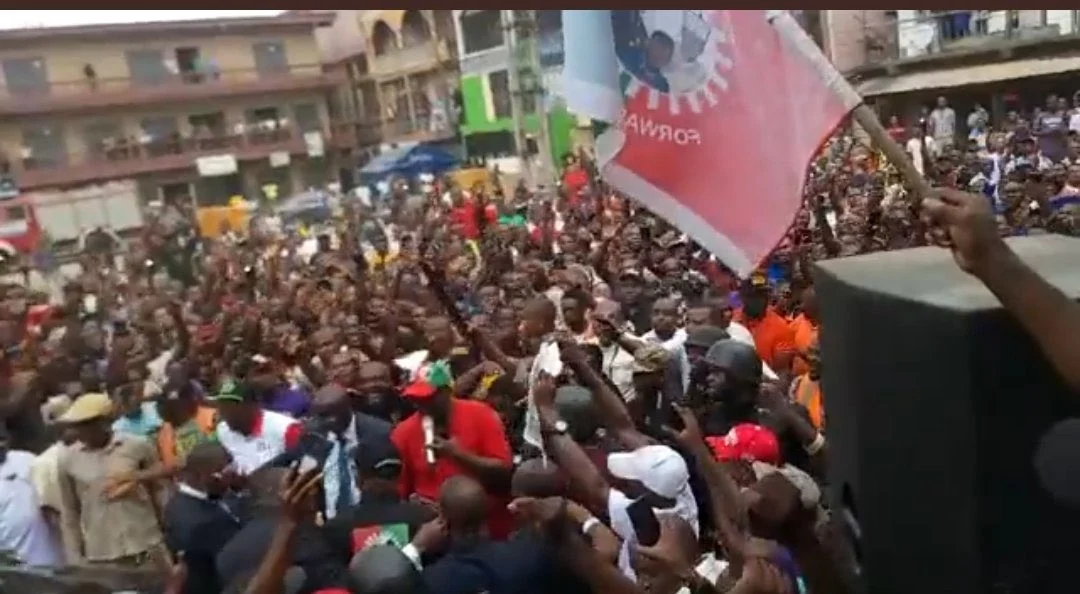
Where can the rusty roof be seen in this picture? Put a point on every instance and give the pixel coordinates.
(108, 32)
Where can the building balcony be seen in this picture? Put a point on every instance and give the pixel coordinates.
(131, 159)
(429, 55)
(89, 94)
(913, 37)
(421, 128)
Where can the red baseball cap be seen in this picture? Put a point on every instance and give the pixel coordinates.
(747, 441)
(419, 389)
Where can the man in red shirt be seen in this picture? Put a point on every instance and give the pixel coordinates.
(465, 213)
(574, 179)
(468, 438)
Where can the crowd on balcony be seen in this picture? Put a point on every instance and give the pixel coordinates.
(202, 137)
(1027, 162)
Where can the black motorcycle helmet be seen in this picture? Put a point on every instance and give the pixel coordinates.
(739, 360)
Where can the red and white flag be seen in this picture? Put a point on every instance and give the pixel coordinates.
(717, 116)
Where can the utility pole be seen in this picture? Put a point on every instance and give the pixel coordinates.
(526, 88)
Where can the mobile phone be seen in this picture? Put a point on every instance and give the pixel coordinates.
(643, 519)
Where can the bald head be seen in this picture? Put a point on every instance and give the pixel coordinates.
(463, 503)
(535, 478)
(329, 396)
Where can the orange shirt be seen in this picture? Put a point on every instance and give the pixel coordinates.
(772, 335)
(805, 334)
(807, 392)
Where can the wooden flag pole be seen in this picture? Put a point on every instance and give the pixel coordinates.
(895, 153)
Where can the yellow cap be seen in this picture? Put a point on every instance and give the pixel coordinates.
(89, 406)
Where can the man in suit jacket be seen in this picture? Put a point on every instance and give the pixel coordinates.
(349, 431)
(197, 522)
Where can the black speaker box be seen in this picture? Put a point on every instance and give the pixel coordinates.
(937, 400)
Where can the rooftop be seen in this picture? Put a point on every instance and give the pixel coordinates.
(104, 32)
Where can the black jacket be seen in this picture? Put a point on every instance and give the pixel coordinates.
(198, 528)
(243, 554)
(374, 511)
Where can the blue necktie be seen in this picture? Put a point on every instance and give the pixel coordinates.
(344, 494)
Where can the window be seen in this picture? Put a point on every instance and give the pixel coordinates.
(383, 39)
(44, 146)
(414, 29)
(189, 64)
(307, 117)
(208, 124)
(314, 172)
(423, 92)
(100, 136)
(395, 101)
(26, 76)
(501, 99)
(159, 128)
(15, 213)
(265, 116)
(481, 30)
(550, 37)
(160, 135)
(147, 67)
(270, 57)
(369, 101)
(486, 145)
(216, 190)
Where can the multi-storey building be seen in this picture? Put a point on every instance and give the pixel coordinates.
(411, 79)
(1003, 60)
(487, 123)
(204, 109)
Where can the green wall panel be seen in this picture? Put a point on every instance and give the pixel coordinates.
(560, 121)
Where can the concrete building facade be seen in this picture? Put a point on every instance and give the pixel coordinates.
(411, 81)
(1003, 60)
(207, 109)
(487, 123)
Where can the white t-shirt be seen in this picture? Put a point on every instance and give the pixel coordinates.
(547, 360)
(23, 529)
(914, 148)
(624, 528)
(250, 452)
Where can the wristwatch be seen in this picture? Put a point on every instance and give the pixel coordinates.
(559, 427)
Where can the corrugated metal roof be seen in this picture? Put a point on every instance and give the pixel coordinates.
(967, 75)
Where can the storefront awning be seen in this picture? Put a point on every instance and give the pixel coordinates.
(968, 75)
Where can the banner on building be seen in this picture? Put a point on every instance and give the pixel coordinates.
(216, 165)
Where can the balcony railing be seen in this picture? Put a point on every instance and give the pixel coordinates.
(96, 93)
(133, 158)
(423, 127)
(424, 56)
(946, 31)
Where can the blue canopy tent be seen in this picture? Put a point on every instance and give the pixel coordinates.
(408, 162)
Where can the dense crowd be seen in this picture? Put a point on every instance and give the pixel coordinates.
(469, 392)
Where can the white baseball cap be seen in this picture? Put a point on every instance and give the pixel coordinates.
(659, 468)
